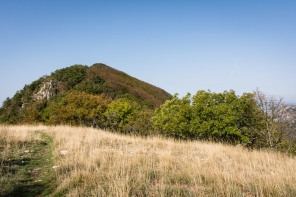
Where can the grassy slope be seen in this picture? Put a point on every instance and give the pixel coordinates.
(100, 163)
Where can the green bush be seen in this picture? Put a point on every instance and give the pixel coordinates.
(80, 108)
(174, 117)
(223, 117)
(117, 114)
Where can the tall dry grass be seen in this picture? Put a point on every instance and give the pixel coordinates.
(99, 163)
(17, 136)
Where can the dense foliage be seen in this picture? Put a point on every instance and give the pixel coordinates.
(79, 108)
(223, 117)
(70, 76)
(206, 115)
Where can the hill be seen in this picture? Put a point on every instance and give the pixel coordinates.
(81, 95)
(289, 115)
(79, 161)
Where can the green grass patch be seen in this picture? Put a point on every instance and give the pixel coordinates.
(27, 170)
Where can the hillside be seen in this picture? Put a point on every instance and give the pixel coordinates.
(79, 161)
(121, 82)
(81, 95)
(289, 115)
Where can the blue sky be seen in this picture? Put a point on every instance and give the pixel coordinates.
(180, 46)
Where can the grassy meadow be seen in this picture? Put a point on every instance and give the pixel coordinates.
(80, 161)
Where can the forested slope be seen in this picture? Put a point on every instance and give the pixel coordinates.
(98, 96)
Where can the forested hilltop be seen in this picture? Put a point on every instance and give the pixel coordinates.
(103, 97)
(98, 96)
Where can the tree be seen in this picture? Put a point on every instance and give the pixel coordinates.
(32, 113)
(250, 121)
(80, 108)
(174, 117)
(12, 111)
(271, 115)
(117, 114)
(139, 122)
(216, 116)
(4, 115)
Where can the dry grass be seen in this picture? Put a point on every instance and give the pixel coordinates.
(15, 138)
(17, 135)
(100, 163)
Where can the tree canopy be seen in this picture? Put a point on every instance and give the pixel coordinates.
(223, 117)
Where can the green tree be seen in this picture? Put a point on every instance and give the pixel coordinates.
(215, 116)
(117, 114)
(174, 117)
(250, 122)
(33, 113)
(138, 122)
(79, 108)
(12, 109)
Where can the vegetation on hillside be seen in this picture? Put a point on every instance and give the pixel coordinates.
(225, 117)
(102, 97)
(121, 83)
(93, 96)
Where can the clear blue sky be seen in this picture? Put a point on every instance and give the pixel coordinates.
(180, 46)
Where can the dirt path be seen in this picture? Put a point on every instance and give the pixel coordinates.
(28, 171)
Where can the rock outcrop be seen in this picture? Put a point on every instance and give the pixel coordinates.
(47, 90)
